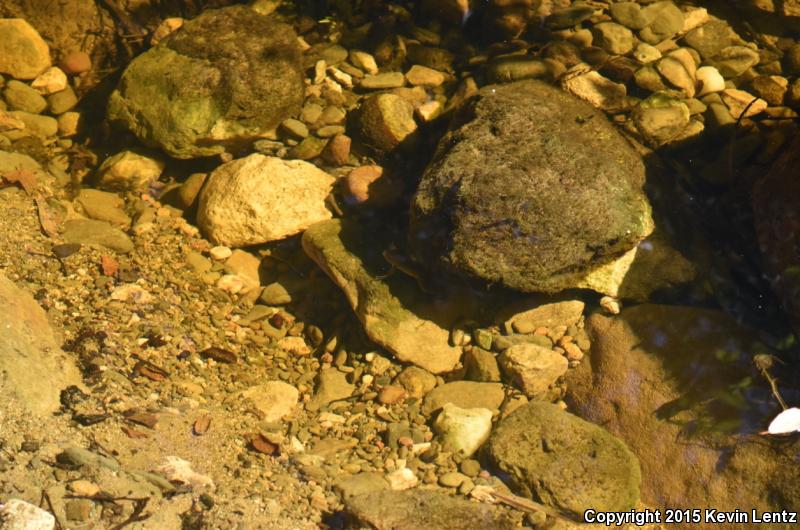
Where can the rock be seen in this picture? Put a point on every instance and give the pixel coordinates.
(453, 479)
(165, 28)
(709, 39)
(391, 394)
(564, 461)
(419, 75)
(367, 185)
(62, 101)
(50, 81)
(245, 265)
(742, 104)
(631, 15)
(480, 365)
(360, 484)
(678, 73)
(733, 61)
(337, 151)
(97, 233)
(568, 17)
(104, 206)
(667, 21)
(401, 479)
(710, 80)
(416, 381)
(20, 96)
(258, 199)
(69, 124)
(386, 120)
(23, 52)
(310, 147)
(613, 38)
(332, 386)
(190, 189)
(644, 53)
(275, 294)
(393, 315)
(274, 400)
(565, 313)
(462, 431)
(506, 69)
(364, 61)
(661, 118)
(383, 81)
(33, 369)
(128, 171)
(525, 161)
(667, 380)
(421, 509)
(254, 80)
(76, 457)
(465, 395)
(600, 92)
(532, 368)
(35, 124)
(78, 509)
(17, 514)
(770, 88)
(178, 470)
(76, 62)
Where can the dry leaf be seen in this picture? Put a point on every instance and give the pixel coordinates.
(202, 424)
(24, 177)
(109, 265)
(133, 433)
(218, 354)
(150, 371)
(142, 418)
(46, 218)
(262, 445)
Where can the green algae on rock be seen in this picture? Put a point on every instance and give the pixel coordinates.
(226, 78)
(531, 188)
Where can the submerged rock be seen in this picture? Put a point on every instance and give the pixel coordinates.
(23, 52)
(33, 369)
(251, 76)
(564, 461)
(417, 509)
(393, 316)
(532, 188)
(670, 381)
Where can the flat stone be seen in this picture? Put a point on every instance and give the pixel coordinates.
(419, 75)
(462, 431)
(23, 52)
(465, 395)
(532, 368)
(614, 38)
(332, 386)
(129, 171)
(104, 206)
(50, 81)
(383, 81)
(16, 514)
(481, 365)
(35, 124)
(97, 233)
(274, 400)
(20, 96)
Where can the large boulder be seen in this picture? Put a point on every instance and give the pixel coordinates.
(33, 369)
(532, 188)
(226, 78)
(564, 461)
(393, 314)
(257, 199)
(671, 382)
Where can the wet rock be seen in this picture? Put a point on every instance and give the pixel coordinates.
(331, 386)
(532, 368)
(419, 75)
(465, 395)
(69, 124)
(128, 171)
(709, 39)
(386, 120)
(513, 159)
(631, 15)
(678, 69)
(23, 52)
(20, 96)
(257, 199)
(360, 484)
(613, 38)
(770, 88)
(33, 368)
(393, 314)
(600, 92)
(661, 118)
(97, 233)
(367, 185)
(516, 68)
(462, 431)
(62, 101)
(50, 81)
(78, 510)
(668, 381)
(416, 381)
(645, 53)
(568, 17)
(35, 124)
(564, 313)
(275, 294)
(667, 21)
(337, 151)
(481, 365)
(416, 509)
(76, 62)
(273, 400)
(564, 461)
(383, 81)
(710, 80)
(733, 61)
(103, 206)
(16, 514)
(254, 80)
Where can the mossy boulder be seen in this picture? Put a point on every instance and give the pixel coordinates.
(563, 461)
(531, 188)
(225, 79)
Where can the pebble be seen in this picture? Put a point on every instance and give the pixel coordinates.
(770, 88)
(294, 128)
(739, 100)
(364, 61)
(84, 488)
(613, 38)
(383, 81)
(733, 61)
(677, 74)
(68, 124)
(402, 479)
(416, 381)
(601, 92)
(453, 479)
(568, 17)
(220, 252)
(667, 21)
(78, 510)
(631, 15)
(51, 80)
(532, 368)
(129, 171)
(470, 467)
(20, 96)
(645, 53)
(462, 431)
(76, 62)
(275, 294)
(419, 75)
(337, 152)
(391, 394)
(709, 80)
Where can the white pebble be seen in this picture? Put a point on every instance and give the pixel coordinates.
(709, 80)
(17, 514)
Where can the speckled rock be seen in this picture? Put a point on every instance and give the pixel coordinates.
(257, 199)
(525, 160)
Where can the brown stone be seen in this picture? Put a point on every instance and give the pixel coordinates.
(337, 152)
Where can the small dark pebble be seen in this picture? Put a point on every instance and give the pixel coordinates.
(71, 396)
(207, 500)
(65, 250)
(218, 354)
(90, 419)
(30, 446)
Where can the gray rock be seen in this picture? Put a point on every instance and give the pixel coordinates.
(252, 76)
(99, 233)
(532, 368)
(504, 198)
(465, 395)
(393, 312)
(20, 96)
(33, 369)
(564, 461)
(418, 509)
(674, 384)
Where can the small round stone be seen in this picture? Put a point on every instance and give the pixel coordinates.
(76, 62)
